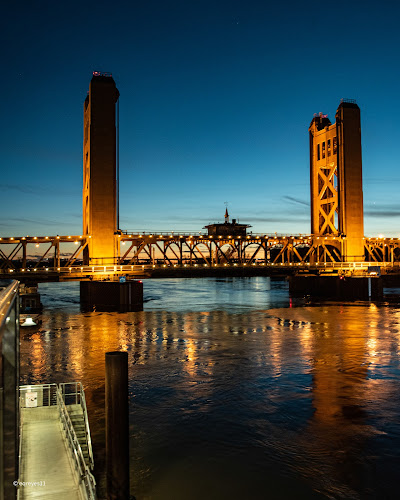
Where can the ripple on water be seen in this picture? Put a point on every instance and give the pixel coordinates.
(237, 395)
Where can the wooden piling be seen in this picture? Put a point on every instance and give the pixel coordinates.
(117, 426)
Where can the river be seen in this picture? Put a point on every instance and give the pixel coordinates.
(235, 391)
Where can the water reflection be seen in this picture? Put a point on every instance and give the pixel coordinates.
(292, 401)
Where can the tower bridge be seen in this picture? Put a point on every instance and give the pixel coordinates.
(336, 240)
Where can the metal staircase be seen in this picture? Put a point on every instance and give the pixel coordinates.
(75, 403)
(78, 421)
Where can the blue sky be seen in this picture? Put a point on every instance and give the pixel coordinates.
(216, 100)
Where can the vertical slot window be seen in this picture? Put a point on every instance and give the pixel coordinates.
(335, 145)
(329, 147)
(319, 152)
(323, 150)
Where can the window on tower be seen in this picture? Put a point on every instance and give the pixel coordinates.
(329, 147)
(319, 151)
(335, 145)
(323, 150)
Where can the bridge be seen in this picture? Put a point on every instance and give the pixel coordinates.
(202, 253)
(337, 237)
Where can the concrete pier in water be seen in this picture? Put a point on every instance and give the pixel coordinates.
(337, 287)
(111, 295)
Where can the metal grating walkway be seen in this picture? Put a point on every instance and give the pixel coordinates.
(46, 457)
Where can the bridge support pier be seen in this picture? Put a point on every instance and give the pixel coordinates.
(111, 296)
(336, 287)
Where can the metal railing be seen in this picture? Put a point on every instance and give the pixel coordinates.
(43, 395)
(73, 442)
(117, 269)
(37, 395)
(9, 370)
(73, 391)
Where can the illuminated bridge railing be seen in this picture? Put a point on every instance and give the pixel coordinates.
(77, 271)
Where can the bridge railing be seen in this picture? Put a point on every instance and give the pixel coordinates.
(76, 271)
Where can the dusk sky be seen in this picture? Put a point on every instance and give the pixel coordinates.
(216, 100)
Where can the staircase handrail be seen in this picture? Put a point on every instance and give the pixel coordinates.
(84, 472)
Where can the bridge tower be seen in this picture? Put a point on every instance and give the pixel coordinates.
(100, 190)
(336, 179)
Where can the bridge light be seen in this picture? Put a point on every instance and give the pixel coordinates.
(76, 242)
(123, 242)
(37, 244)
(69, 237)
(11, 238)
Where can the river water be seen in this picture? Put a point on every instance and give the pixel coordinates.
(236, 392)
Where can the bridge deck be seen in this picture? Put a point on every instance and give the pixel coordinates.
(45, 457)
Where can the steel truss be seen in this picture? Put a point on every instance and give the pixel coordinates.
(207, 250)
(190, 249)
(23, 252)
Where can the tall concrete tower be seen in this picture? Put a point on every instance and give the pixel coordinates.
(336, 179)
(100, 171)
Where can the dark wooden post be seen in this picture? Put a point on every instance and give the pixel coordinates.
(117, 426)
